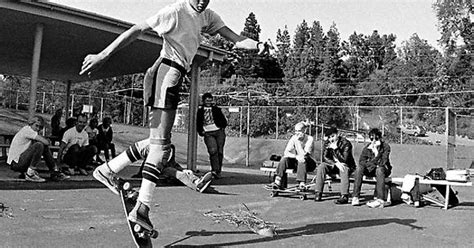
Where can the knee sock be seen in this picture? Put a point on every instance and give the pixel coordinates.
(135, 152)
(145, 195)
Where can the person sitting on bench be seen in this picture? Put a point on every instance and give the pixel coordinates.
(26, 150)
(374, 161)
(297, 156)
(337, 159)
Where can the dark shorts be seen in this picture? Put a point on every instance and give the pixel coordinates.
(162, 83)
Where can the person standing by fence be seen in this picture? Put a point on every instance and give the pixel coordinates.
(211, 124)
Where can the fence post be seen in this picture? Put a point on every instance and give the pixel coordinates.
(72, 105)
(401, 123)
(240, 123)
(316, 123)
(277, 123)
(17, 98)
(101, 108)
(44, 99)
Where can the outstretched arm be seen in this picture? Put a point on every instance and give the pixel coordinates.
(93, 62)
(241, 41)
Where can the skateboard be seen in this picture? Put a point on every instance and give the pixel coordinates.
(291, 191)
(141, 236)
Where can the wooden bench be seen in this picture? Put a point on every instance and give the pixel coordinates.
(448, 184)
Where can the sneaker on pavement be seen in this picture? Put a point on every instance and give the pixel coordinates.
(82, 171)
(355, 201)
(107, 177)
(376, 204)
(342, 200)
(69, 171)
(58, 176)
(34, 177)
(273, 186)
(203, 182)
(139, 215)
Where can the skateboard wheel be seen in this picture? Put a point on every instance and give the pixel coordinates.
(302, 197)
(273, 194)
(154, 234)
(126, 186)
(137, 228)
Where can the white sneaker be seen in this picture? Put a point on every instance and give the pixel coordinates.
(33, 176)
(355, 201)
(376, 204)
(104, 175)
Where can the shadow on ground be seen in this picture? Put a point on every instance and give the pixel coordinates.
(311, 229)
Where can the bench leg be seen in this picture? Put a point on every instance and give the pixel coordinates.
(446, 203)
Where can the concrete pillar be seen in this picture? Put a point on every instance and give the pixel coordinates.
(35, 69)
(193, 105)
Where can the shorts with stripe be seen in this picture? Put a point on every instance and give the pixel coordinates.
(162, 83)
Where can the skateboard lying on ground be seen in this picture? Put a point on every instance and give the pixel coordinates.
(141, 236)
(291, 191)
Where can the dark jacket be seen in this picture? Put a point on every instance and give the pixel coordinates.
(369, 161)
(217, 115)
(104, 137)
(343, 153)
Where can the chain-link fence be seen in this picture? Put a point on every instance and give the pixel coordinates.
(402, 125)
(122, 109)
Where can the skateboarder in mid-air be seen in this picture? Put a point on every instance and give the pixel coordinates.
(180, 24)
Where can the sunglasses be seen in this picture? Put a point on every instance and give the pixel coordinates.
(374, 138)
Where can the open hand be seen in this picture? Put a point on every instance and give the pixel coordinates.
(92, 63)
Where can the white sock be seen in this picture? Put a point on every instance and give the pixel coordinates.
(145, 194)
(30, 171)
(119, 163)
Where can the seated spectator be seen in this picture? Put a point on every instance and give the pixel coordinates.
(297, 156)
(26, 150)
(104, 138)
(374, 161)
(70, 122)
(337, 159)
(92, 132)
(56, 123)
(75, 150)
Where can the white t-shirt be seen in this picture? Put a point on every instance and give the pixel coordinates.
(209, 125)
(181, 27)
(300, 147)
(72, 137)
(21, 141)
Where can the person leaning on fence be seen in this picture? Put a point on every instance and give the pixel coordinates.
(56, 123)
(75, 150)
(337, 159)
(297, 155)
(104, 138)
(374, 161)
(26, 150)
(211, 124)
(181, 25)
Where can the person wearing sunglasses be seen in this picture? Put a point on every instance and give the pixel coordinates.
(337, 159)
(374, 161)
(26, 150)
(297, 155)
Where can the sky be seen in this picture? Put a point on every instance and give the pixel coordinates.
(402, 18)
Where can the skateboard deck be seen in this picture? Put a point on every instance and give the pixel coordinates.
(141, 237)
(292, 191)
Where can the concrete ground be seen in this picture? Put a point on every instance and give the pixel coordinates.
(82, 213)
